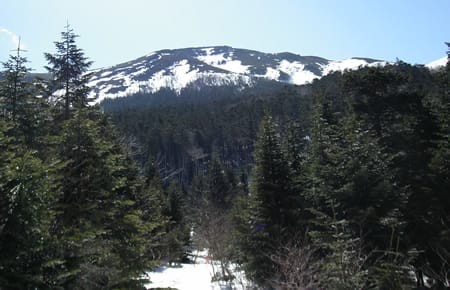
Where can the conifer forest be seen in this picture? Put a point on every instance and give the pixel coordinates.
(342, 183)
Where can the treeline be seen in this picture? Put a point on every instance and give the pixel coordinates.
(195, 93)
(75, 210)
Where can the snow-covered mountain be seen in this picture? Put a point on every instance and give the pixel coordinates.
(437, 63)
(212, 66)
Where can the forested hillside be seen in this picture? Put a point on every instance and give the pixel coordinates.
(339, 184)
(181, 139)
(348, 177)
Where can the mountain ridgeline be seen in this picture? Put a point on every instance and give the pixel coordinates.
(181, 107)
(207, 73)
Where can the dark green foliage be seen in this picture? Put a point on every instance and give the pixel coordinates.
(67, 67)
(369, 168)
(103, 214)
(270, 179)
(221, 185)
(270, 214)
(14, 90)
(19, 102)
(74, 211)
(407, 129)
(177, 239)
(86, 192)
(27, 183)
(370, 182)
(342, 258)
(27, 192)
(183, 139)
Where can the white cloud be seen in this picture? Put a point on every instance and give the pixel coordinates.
(13, 37)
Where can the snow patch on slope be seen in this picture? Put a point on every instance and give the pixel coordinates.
(342, 65)
(272, 74)
(349, 64)
(210, 66)
(222, 62)
(176, 77)
(140, 71)
(181, 75)
(105, 74)
(437, 63)
(296, 70)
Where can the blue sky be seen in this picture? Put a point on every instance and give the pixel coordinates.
(115, 31)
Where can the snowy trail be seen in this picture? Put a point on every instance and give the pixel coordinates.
(196, 276)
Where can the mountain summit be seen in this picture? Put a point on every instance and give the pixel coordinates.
(213, 66)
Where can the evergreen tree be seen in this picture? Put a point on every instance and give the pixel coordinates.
(151, 201)
(321, 158)
(392, 101)
(272, 209)
(178, 231)
(295, 147)
(137, 227)
(68, 67)
(107, 222)
(27, 194)
(83, 207)
(13, 86)
(18, 102)
(220, 189)
(108, 219)
(353, 196)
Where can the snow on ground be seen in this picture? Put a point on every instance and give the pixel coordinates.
(195, 276)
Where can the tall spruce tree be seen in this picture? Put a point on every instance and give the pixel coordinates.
(68, 67)
(13, 87)
(272, 208)
(104, 224)
(296, 144)
(136, 226)
(18, 101)
(320, 161)
(86, 198)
